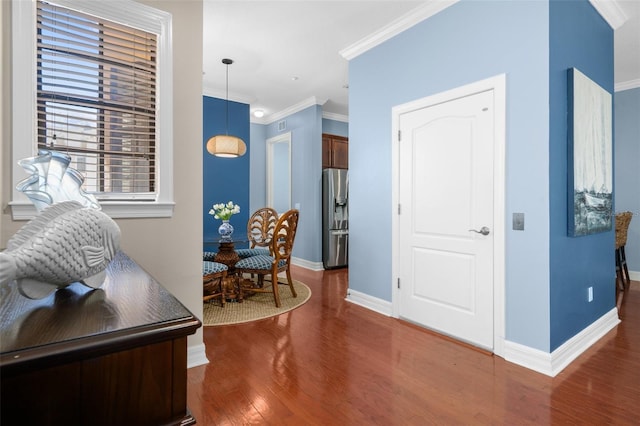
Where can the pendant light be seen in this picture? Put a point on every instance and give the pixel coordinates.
(225, 145)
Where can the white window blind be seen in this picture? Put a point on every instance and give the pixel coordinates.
(96, 100)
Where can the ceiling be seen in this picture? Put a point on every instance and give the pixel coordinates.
(627, 45)
(287, 53)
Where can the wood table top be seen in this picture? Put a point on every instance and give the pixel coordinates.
(130, 309)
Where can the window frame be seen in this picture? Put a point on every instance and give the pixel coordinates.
(24, 85)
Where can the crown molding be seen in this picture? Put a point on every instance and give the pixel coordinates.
(221, 94)
(395, 27)
(611, 11)
(292, 110)
(299, 107)
(255, 120)
(627, 85)
(336, 117)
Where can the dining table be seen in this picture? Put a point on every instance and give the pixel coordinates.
(225, 250)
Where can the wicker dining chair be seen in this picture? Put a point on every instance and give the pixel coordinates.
(623, 280)
(622, 227)
(284, 235)
(259, 232)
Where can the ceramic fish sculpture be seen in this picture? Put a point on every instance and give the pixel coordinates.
(65, 243)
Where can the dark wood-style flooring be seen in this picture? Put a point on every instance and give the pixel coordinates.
(331, 362)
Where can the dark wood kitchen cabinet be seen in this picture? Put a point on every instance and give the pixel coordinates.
(335, 151)
(116, 355)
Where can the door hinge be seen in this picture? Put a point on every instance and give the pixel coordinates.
(399, 135)
(398, 282)
(398, 208)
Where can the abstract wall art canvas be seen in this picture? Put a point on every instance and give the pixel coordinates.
(590, 156)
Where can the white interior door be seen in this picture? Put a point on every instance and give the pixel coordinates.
(446, 218)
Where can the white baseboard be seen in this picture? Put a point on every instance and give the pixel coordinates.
(307, 264)
(634, 275)
(196, 355)
(378, 305)
(553, 363)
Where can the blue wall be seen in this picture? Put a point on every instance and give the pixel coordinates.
(335, 127)
(258, 169)
(533, 43)
(306, 173)
(626, 105)
(306, 129)
(306, 170)
(467, 42)
(224, 179)
(580, 38)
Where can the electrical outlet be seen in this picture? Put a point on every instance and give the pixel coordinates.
(590, 295)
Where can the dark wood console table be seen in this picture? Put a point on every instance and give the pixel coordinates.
(112, 356)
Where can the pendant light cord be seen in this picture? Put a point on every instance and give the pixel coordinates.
(227, 126)
(227, 62)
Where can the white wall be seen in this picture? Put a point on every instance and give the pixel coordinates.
(169, 249)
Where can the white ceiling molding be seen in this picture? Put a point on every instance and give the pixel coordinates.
(255, 120)
(299, 107)
(611, 11)
(627, 85)
(293, 109)
(394, 28)
(335, 117)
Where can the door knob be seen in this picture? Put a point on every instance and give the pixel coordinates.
(484, 230)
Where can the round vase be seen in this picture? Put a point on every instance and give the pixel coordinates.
(225, 230)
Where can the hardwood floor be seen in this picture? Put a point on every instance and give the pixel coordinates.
(331, 362)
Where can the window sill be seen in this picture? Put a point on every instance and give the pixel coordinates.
(115, 210)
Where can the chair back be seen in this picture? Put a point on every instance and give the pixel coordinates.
(622, 226)
(284, 235)
(261, 226)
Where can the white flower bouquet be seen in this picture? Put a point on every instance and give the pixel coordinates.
(224, 211)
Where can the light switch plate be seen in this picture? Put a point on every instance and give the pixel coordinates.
(518, 221)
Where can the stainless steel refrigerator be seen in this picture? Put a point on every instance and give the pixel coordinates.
(335, 218)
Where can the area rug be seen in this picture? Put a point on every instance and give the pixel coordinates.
(255, 307)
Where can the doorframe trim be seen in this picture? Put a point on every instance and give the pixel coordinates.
(498, 85)
(270, 144)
